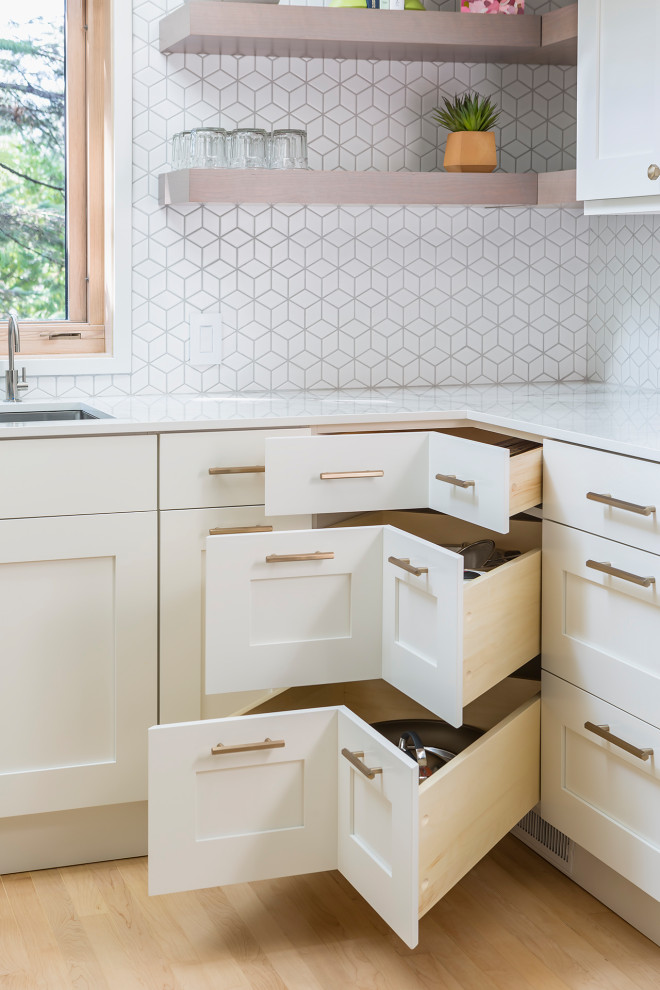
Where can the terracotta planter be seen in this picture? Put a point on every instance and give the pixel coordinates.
(470, 151)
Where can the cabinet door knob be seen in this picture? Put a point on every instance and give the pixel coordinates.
(653, 172)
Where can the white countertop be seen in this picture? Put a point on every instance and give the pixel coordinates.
(617, 419)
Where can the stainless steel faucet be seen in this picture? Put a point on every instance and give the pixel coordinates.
(12, 384)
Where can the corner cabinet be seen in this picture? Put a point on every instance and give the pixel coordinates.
(618, 148)
(376, 613)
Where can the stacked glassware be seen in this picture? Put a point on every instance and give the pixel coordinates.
(244, 147)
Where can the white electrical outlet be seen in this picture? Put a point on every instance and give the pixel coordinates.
(205, 338)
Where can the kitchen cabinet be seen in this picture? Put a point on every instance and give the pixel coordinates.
(271, 794)
(601, 675)
(78, 609)
(618, 147)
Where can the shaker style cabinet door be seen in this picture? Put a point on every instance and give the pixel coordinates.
(240, 799)
(618, 103)
(79, 666)
(319, 606)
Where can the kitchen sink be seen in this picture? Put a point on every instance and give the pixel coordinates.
(37, 415)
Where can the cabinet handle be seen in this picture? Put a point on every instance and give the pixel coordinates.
(247, 747)
(604, 732)
(451, 479)
(618, 503)
(248, 469)
(404, 564)
(227, 530)
(335, 475)
(282, 558)
(355, 761)
(606, 568)
(653, 172)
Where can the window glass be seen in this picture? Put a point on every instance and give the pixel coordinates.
(33, 159)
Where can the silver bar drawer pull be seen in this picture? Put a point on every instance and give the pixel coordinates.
(247, 469)
(404, 564)
(618, 503)
(283, 558)
(451, 479)
(338, 475)
(228, 530)
(605, 567)
(355, 761)
(247, 747)
(604, 732)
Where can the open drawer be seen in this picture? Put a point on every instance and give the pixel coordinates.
(471, 474)
(317, 606)
(260, 796)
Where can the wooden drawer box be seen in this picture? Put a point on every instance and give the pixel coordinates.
(466, 474)
(317, 606)
(212, 468)
(601, 618)
(598, 791)
(77, 476)
(607, 494)
(300, 806)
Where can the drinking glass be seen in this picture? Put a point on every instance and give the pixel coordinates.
(181, 157)
(208, 147)
(288, 149)
(248, 148)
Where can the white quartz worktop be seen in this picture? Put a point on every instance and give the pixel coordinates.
(618, 419)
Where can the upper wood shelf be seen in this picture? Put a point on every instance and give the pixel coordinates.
(366, 188)
(329, 32)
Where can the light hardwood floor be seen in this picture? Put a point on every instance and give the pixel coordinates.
(514, 923)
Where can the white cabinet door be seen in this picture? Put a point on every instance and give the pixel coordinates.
(79, 626)
(601, 626)
(227, 807)
(378, 827)
(183, 534)
(423, 622)
(618, 103)
(290, 608)
(469, 481)
(346, 473)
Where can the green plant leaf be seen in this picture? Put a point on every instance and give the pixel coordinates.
(469, 112)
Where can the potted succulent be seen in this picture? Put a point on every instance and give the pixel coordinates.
(471, 144)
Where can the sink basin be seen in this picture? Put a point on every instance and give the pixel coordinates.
(28, 414)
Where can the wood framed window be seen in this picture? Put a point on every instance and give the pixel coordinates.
(84, 328)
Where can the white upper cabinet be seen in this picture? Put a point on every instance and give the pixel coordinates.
(618, 106)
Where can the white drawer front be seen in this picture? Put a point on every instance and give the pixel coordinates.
(390, 471)
(605, 798)
(601, 631)
(571, 474)
(187, 458)
(469, 481)
(76, 476)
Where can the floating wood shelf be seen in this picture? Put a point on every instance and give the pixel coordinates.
(365, 188)
(323, 32)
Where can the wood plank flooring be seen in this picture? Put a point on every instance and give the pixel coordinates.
(514, 923)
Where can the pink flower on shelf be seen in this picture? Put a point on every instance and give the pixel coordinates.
(480, 6)
(493, 6)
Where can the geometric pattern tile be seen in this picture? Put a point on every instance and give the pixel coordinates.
(624, 310)
(328, 297)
